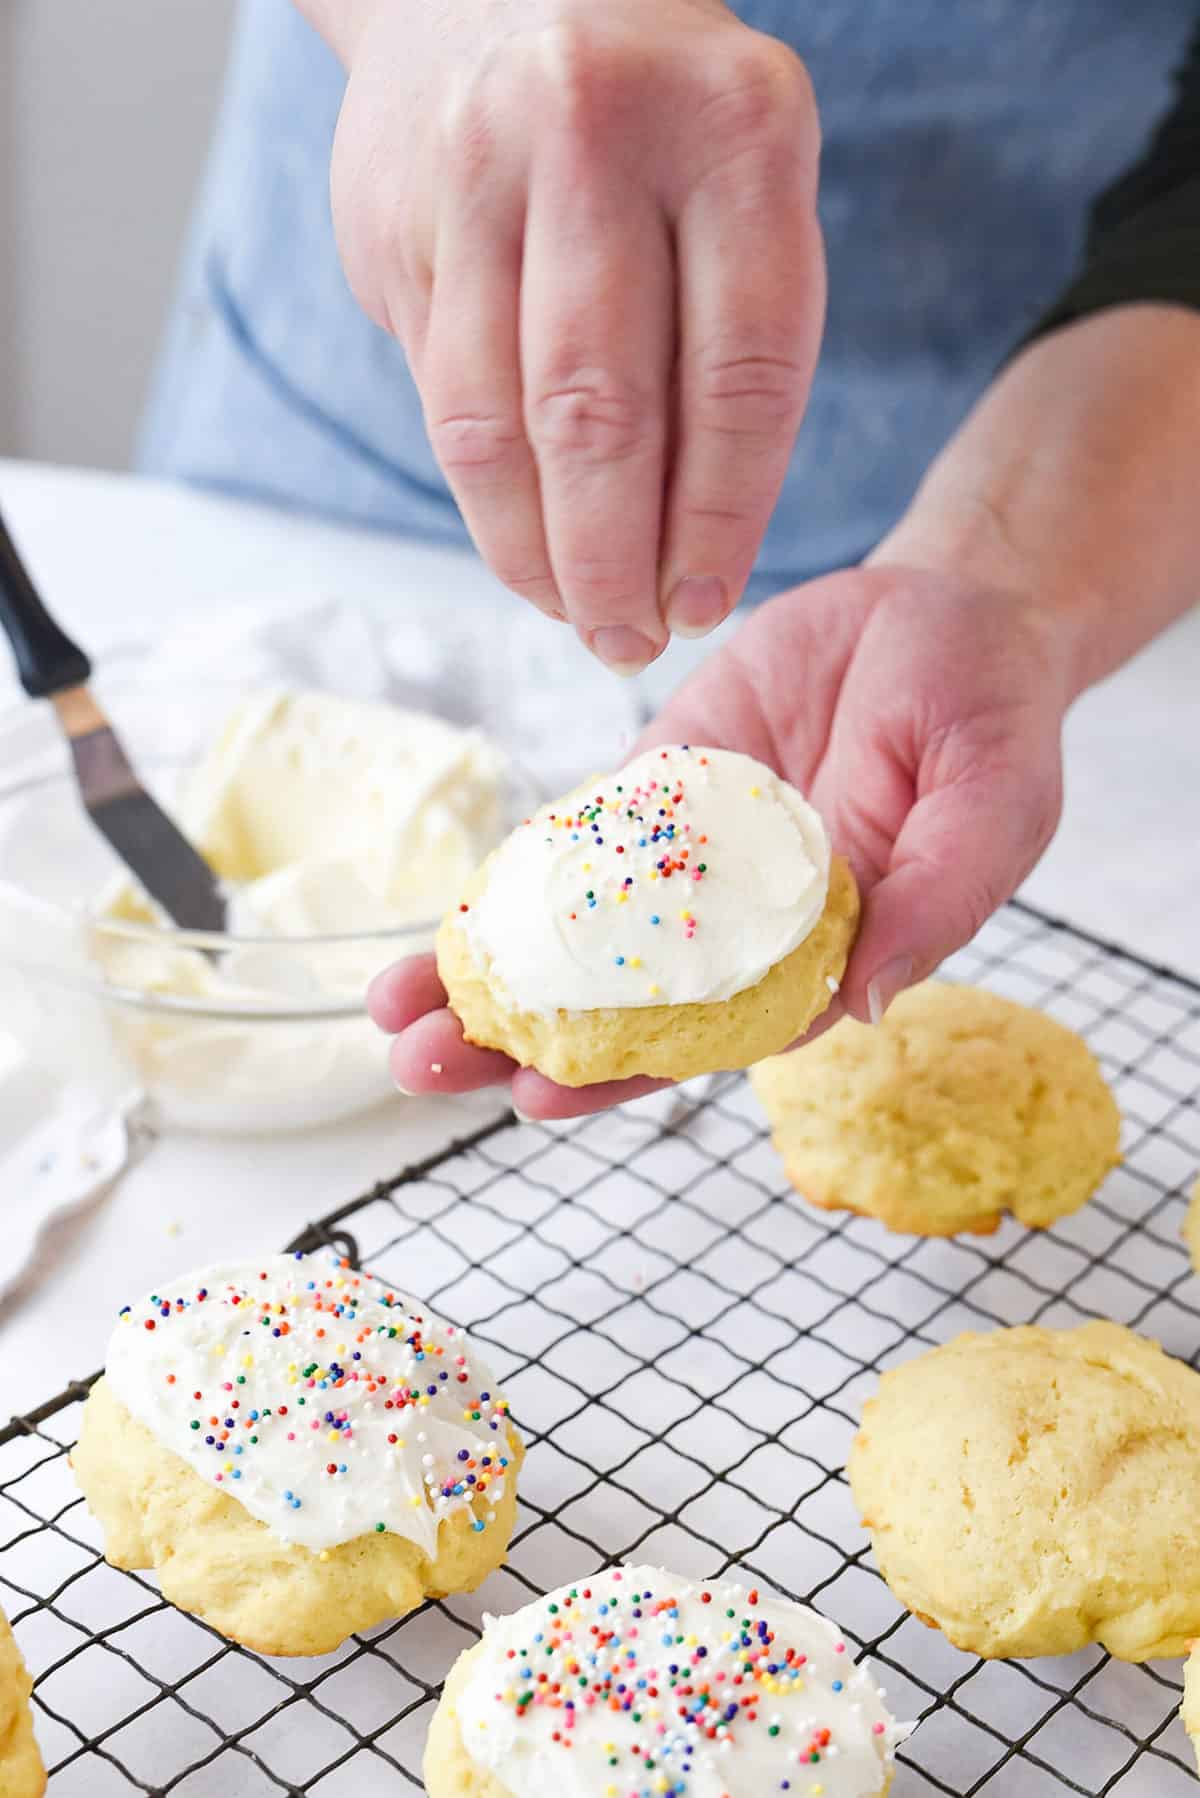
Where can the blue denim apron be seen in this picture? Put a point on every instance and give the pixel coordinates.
(962, 145)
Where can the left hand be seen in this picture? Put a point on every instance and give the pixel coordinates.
(920, 712)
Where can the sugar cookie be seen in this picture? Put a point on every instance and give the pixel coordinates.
(1190, 1709)
(639, 1682)
(959, 1107)
(299, 1452)
(21, 1772)
(1031, 1491)
(1191, 1227)
(682, 916)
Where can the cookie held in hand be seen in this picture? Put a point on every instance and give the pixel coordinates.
(680, 917)
(298, 1451)
(1032, 1491)
(958, 1107)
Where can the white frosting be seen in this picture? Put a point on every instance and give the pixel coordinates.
(316, 1397)
(326, 817)
(384, 811)
(681, 879)
(639, 1684)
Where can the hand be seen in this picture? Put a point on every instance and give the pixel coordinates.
(921, 714)
(593, 229)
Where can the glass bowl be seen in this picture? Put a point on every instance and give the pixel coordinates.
(284, 1045)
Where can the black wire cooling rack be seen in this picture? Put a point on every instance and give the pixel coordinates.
(687, 1347)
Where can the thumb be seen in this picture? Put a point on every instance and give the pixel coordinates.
(963, 850)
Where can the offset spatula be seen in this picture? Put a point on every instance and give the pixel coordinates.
(52, 667)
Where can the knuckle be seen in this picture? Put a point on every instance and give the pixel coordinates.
(725, 529)
(475, 445)
(470, 134)
(375, 222)
(602, 586)
(750, 396)
(978, 900)
(793, 83)
(534, 583)
(585, 83)
(591, 417)
(764, 93)
(746, 104)
(383, 268)
(702, 510)
(474, 150)
(968, 896)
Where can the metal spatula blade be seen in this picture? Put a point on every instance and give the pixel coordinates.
(154, 849)
(146, 840)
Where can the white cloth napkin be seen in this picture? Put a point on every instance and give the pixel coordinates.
(62, 1149)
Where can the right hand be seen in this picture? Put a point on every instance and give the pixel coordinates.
(592, 225)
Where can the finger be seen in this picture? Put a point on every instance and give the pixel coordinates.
(597, 339)
(403, 993)
(540, 1099)
(430, 1056)
(752, 303)
(963, 851)
(470, 375)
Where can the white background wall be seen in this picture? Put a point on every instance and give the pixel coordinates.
(105, 109)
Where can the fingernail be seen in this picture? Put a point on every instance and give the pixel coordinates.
(697, 606)
(622, 649)
(891, 979)
(523, 1117)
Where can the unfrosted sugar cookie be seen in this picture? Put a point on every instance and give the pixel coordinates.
(638, 1682)
(679, 917)
(1191, 1227)
(298, 1450)
(1031, 1491)
(21, 1771)
(960, 1106)
(1191, 1699)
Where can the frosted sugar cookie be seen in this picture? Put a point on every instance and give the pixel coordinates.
(1031, 1491)
(298, 1450)
(21, 1771)
(679, 917)
(639, 1682)
(958, 1107)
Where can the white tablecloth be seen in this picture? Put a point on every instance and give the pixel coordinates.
(122, 558)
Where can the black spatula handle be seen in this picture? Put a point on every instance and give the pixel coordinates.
(47, 659)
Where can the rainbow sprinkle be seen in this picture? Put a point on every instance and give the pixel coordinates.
(659, 1683)
(646, 838)
(304, 1378)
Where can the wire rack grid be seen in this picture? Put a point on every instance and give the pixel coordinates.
(687, 1347)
